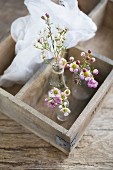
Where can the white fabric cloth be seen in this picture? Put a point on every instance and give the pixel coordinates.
(25, 31)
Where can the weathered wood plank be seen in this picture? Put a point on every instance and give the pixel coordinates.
(97, 14)
(88, 5)
(7, 53)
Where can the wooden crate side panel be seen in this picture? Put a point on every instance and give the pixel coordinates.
(78, 128)
(103, 58)
(7, 53)
(33, 121)
(108, 20)
(87, 5)
(97, 15)
(56, 1)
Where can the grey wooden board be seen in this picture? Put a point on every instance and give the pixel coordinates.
(20, 149)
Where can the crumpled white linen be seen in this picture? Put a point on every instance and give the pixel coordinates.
(25, 31)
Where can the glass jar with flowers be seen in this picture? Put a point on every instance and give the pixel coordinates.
(53, 43)
(84, 81)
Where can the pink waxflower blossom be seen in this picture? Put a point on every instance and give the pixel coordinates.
(95, 71)
(63, 96)
(73, 67)
(54, 92)
(58, 100)
(51, 104)
(76, 70)
(67, 92)
(71, 58)
(66, 111)
(92, 83)
(81, 77)
(63, 62)
(83, 54)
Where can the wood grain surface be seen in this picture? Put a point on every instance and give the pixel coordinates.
(20, 149)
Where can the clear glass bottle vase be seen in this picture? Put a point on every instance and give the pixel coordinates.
(57, 80)
(62, 116)
(81, 91)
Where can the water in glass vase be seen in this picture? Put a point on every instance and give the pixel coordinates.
(61, 116)
(81, 91)
(56, 78)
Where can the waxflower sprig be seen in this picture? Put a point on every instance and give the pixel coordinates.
(51, 39)
(58, 98)
(83, 72)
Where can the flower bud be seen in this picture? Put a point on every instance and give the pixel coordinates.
(84, 70)
(95, 71)
(93, 59)
(75, 81)
(78, 62)
(87, 58)
(83, 54)
(71, 58)
(89, 51)
(43, 17)
(47, 15)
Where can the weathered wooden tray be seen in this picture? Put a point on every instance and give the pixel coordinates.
(25, 104)
(28, 108)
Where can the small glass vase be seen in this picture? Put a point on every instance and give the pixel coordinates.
(62, 116)
(81, 91)
(57, 80)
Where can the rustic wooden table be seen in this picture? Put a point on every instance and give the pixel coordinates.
(20, 149)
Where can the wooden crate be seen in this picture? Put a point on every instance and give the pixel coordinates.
(25, 104)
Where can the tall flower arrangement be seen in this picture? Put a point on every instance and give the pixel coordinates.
(52, 42)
